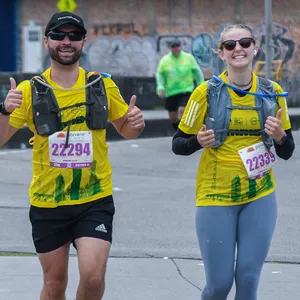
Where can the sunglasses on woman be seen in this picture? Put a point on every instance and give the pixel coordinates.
(60, 36)
(229, 45)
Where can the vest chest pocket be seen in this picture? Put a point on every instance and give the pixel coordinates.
(46, 122)
(97, 109)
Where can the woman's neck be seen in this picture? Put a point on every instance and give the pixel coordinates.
(241, 79)
(65, 76)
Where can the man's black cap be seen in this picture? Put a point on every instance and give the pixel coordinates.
(62, 18)
(175, 42)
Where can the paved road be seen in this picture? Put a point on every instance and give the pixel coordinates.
(155, 253)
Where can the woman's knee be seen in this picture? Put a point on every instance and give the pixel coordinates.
(217, 290)
(247, 282)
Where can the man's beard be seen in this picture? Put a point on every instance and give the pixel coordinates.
(66, 61)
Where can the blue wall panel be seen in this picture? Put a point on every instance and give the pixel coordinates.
(9, 26)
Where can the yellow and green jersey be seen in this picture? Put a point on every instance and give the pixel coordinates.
(222, 177)
(52, 186)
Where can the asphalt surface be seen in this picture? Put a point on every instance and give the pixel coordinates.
(155, 253)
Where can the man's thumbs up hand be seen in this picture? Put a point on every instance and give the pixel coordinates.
(132, 103)
(14, 97)
(134, 115)
(13, 84)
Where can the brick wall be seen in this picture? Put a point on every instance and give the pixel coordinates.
(172, 16)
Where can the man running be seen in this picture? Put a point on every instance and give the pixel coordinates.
(71, 189)
(176, 75)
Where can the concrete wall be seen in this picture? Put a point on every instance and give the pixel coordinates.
(128, 37)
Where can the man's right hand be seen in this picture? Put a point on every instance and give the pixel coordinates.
(162, 94)
(14, 97)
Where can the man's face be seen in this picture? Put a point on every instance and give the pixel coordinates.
(175, 49)
(63, 48)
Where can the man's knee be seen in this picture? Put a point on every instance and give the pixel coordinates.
(55, 288)
(174, 120)
(93, 284)
(180, 111)
(173, 117)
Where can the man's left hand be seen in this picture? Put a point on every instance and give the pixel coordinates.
(134, 115)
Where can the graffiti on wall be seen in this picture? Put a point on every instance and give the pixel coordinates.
(139, 56)
(113, 29)
(132, 57)
(283, 47)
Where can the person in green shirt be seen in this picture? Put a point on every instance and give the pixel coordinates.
(176, 75)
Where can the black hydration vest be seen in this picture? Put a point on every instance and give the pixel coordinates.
(47, 113)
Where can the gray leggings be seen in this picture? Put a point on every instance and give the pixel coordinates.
(220, 229)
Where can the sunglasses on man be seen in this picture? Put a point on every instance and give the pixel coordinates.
(229, 45)
(60, 35)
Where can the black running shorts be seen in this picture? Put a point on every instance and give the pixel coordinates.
(54, 227)
(173, 102)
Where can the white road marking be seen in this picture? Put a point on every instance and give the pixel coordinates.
(117, 189)
(134, 146)
(13, 152)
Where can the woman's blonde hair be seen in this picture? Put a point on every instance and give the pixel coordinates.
(231, 27)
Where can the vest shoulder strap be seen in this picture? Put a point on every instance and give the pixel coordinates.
(265, 82)
(91, 76)
(266, 85)
(40, 88)
(97, 102)
(214, 85)
(214, 88)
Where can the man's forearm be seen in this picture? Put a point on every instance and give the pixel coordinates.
(130, 132)
(4, 129)
(160, 82)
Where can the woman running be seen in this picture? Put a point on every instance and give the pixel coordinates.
(236, 118)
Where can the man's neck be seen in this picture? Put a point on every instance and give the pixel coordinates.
(177, 55)
(65, 76)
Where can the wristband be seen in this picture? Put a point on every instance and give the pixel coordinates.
(3, 110)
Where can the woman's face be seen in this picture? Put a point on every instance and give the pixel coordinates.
(237, 54)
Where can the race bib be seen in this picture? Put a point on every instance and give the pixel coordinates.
(257, 160)
(78, 154)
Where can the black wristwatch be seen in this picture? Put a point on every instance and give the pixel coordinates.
(282, 141)
(3, 110)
